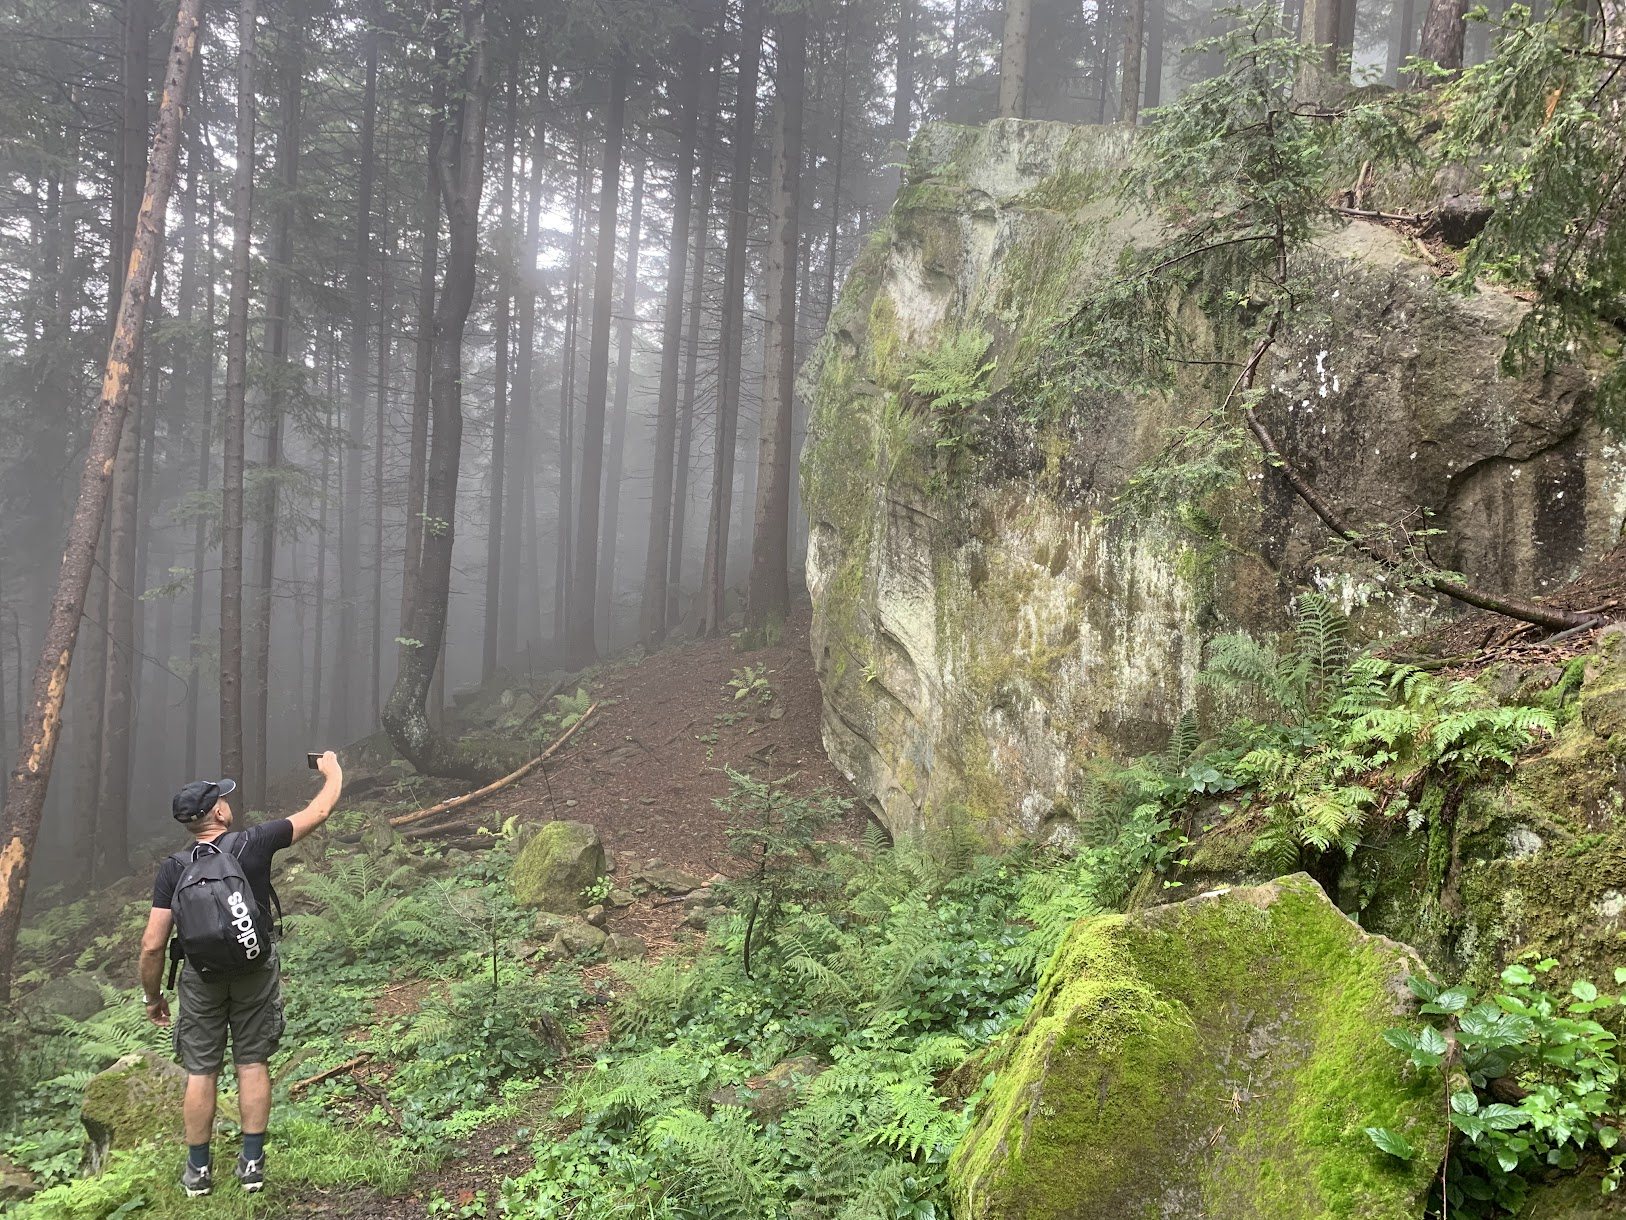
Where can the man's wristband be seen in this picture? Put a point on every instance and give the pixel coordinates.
(150, 1000)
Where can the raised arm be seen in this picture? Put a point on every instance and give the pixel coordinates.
(314, 814)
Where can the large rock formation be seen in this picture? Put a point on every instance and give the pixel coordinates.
(1215, 1058)
(980, 627)
(561, 861)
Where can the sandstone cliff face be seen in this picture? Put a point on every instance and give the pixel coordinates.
(980, 626)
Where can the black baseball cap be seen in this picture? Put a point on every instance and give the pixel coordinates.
(198, 798)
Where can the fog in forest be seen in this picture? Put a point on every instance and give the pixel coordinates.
(489, 312)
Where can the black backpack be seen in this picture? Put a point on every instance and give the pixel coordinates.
(219, 926)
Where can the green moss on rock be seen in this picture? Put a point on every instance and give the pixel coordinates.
(563, 859)
(1217, 1057)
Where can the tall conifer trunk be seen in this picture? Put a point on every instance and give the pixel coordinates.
(652, 617)
(610, 534)
(581, 647)
(714, 578)
(231, 514)
(768, 598)
(500, 406)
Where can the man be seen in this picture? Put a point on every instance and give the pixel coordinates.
(246, 1003)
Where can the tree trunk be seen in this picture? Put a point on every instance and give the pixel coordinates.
(313, 722)
(458, 160)
(903, 95)
(691, 367)
(685, 100)
(581, 647)
(277, 342)
(1402, 32)
(499, 412)
(714, 578)
(231, 512)
(521, 507)
(381, 377)
(200, 531)
(423, 366)
(1155, 22)
(25, 800)
(1134, 43)
(1443, 31)
(1013, 60)
(768, 600)
(563, 542)
(833, 252)
(609, 541)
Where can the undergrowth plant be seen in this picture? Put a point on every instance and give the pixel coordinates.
(1531, 1081)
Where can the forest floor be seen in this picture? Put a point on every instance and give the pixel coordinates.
(646, 770)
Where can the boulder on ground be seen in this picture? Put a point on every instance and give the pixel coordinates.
(768, 1096)
(666, 878)
(1218, 1058)
(563, 859)
(577, 938)
(623, 946)
(620, 898)
(136, 1100)
(16, 1183)
(77, 996)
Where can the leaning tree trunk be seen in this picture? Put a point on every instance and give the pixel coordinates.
(652, 617)
(581, 647)
(768, 598)
(459, 163)
(41, 727)
(231, 502)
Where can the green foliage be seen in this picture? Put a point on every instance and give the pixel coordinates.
(1532, 1082)
(886, 974)
(1538, 123)
(751, 682)
(360, 909)
(952, 381)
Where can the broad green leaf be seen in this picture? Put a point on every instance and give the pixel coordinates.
(1400, 1039)
(1391, 1142)
(1465, 1101)
(1501, 1117)
(1584, 990)
(1431, 1041)
(1422, 988)
(1452, 999)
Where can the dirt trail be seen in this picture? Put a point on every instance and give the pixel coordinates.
(645, 771)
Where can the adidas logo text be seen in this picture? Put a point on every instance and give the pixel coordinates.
(244, 923)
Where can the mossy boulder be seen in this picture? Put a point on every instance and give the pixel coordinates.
(136, 1100)
(77, 996)
(1216, 1058)
(562, 860)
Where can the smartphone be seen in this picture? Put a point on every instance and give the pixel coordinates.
(311, 760)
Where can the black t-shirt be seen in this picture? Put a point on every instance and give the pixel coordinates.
(254, 848)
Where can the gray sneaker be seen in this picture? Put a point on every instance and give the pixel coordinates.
(197, 1182)
(251, 1174)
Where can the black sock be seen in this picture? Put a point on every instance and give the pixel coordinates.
(254, 1145)
(197, 1155)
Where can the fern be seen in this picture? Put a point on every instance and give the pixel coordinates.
(725, 1169)
(952, 381)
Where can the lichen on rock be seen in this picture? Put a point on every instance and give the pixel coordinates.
(1218, 1057)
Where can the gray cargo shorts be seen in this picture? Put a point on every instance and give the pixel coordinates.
(248, 1006)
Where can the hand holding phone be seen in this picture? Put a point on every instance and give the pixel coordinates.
(313, 760)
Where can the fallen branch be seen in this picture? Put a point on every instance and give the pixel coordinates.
(1382, 217)
(406, 819)
(344, 1067)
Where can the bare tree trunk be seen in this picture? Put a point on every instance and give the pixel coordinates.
(499, 423)
(313, 722)
(691, 367)
(563, 541)
(1013, 60)
(581, 646)
(423, 366)
(231, 515)
(714, 578)
(30, 778)
(685, 101)
(459, 163)
(200, 534)
(1134, 44)
(277, 331)
(1156, 19)
(381, 374)
(521, 493)
(903, 95)
(609, 541)
(833, 252)
(768, 600)
(1443, 32)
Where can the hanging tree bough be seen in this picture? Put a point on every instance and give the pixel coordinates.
(25, 802)
(468, 798)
